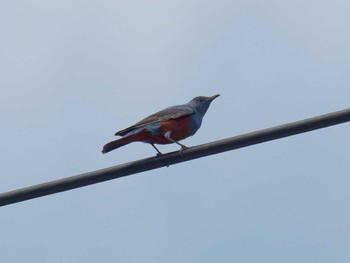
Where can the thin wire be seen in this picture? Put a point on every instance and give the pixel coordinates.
(195, 152)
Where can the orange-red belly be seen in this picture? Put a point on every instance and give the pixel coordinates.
(179, 128)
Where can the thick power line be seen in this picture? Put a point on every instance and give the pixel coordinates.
(175, 157)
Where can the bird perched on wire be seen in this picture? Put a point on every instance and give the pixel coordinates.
(170, 125)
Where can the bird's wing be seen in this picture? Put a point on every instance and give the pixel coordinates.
(163, 115)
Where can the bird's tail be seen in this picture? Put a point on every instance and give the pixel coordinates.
(121, 142)
(115, 145)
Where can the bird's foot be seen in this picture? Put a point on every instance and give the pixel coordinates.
(183, 147)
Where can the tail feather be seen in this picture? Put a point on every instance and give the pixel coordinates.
(141, 136)
(137, 137)
(114, 145)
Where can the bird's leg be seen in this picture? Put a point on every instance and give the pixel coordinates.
(158, 152)
(167, 136)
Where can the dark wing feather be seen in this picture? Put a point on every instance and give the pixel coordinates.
(163, 115)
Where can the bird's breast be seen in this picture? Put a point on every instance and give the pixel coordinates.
(195, 123)
(179, 128)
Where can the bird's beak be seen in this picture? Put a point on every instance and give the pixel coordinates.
(213, 97)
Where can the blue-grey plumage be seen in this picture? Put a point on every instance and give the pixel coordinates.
(200, 106)
(166, 126)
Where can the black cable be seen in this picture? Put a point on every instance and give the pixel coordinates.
(174, 157)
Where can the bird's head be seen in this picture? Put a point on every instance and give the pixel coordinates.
(201, 103)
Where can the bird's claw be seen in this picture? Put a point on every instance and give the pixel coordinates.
(183, 147)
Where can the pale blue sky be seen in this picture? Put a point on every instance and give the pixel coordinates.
(74, 72)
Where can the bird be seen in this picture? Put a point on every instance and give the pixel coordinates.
(170, 125)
